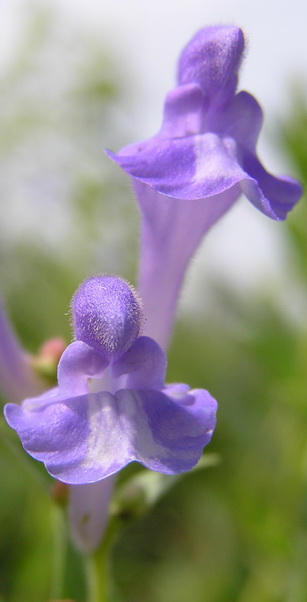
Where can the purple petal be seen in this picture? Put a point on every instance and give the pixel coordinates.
(51, 430)
(242, 120)
(68, 435)
(211, 167)
(171, 433)
(273, 196)
(17, 377)
(183, 112)
(145, 363)
(177, 391)
(87, 438)
(79, 362)
(211, 60)
(193, 167)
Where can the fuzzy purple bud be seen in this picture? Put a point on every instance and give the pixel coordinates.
(107, 314)
(212, 60)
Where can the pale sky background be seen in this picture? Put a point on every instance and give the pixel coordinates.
(147, 37)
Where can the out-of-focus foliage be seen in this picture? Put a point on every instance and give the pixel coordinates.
(235, 532)
(63, 207)
(294, 137)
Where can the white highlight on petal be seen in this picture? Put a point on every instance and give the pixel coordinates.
(105, 445)
(119, 432)
(214, 164)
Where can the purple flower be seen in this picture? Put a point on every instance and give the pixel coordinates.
(111, 406)
(194, 169)
(17, 375)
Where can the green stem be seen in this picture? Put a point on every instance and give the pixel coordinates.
(98, 568)
(60, 552)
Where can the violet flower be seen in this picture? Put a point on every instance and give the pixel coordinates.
(111, 406)
(17, 375)
(19, 378)
(195, 168)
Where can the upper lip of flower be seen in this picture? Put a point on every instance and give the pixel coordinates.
(203, 104)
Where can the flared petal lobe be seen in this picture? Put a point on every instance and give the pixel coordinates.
(50, 429)
(275, 197)
(78, 363)
(187, 168)
(241, 120)
(88, 438)
(206, 165)
(144, 364)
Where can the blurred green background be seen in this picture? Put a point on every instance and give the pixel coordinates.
(235, 532)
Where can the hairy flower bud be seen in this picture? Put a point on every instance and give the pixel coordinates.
(107, 314)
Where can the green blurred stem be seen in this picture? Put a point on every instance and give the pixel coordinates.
(98, 568)
(60, 549)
